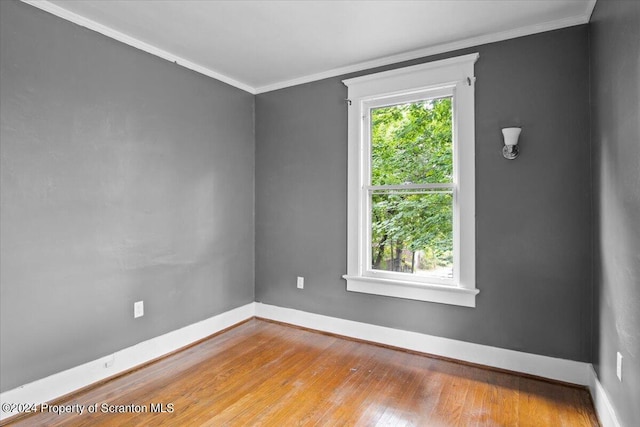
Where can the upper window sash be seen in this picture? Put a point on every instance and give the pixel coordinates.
(370, 104)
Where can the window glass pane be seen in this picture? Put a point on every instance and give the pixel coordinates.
(412, 143)
(411, 232)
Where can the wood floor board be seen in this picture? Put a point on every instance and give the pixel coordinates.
(264, 373)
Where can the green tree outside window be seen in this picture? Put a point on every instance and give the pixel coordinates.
(411, 230)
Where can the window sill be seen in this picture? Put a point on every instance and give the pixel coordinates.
(410, 290)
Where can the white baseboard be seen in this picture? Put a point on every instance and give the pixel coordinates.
(604, 409)
(548, 367)
(569, 371)
(56, 385)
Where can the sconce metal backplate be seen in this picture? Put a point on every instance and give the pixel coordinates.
(510, 152)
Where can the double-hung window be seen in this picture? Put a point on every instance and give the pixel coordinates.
(411, 189)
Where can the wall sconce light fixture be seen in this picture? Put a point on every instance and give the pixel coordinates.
(510, 150)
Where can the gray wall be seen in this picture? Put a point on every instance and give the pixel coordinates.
(124, 177)
(533, 214)
(614, 33)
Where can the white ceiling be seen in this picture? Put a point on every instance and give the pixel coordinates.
(265, 45)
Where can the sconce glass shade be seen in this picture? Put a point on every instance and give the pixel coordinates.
(510, 150)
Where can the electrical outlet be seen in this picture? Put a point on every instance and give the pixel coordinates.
(138, 309)
(619, 366)
(300, 282)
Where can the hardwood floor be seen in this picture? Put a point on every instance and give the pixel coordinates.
(270, 374)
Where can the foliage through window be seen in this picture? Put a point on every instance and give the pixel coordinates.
(412, 229)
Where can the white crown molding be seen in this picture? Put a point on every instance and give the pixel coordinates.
(591, 5)
(131, 41)
(434, 50)
(388, 60)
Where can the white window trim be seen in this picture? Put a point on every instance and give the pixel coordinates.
(455, 75)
